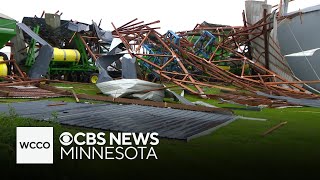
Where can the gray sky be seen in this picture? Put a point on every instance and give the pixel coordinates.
(174, 14)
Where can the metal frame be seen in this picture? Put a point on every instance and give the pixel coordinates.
(233, 41)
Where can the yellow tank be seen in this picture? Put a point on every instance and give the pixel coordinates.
(3, 68)
(65, 55)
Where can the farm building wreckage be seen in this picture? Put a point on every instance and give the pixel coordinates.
(134, 63)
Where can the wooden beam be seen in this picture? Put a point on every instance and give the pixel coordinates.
(274, 128)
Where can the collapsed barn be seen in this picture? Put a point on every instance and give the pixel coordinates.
(135, 64)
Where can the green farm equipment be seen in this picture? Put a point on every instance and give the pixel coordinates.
(71, 59)
(7, 31)
(66, 64)
(51, 50)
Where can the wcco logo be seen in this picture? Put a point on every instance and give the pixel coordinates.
(34, 145)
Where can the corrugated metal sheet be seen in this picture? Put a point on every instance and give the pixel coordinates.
(35, 36)
(304, 102)
(301, 33)
(254, 13)
(169, 123)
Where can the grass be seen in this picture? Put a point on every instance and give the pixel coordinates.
(79, 88)
(237, 150)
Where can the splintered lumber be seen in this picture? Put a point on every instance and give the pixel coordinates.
(75, 96)
(154, 104)
(274, 128)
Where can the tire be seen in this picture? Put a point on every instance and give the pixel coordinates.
(94, 78)
(83, 77)
(74, 77)
(5, 57)
(54, 77)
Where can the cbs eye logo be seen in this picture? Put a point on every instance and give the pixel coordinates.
(66, 138)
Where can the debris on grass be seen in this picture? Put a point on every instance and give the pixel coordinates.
(274, 128)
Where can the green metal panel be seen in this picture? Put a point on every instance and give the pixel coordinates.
(7, 30)
(82, 49)
(31, 52)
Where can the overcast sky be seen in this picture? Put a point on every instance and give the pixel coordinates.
(174, 14)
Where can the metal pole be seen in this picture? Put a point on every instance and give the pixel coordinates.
(266, 39)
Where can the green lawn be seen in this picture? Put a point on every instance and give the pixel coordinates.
(237, 150)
